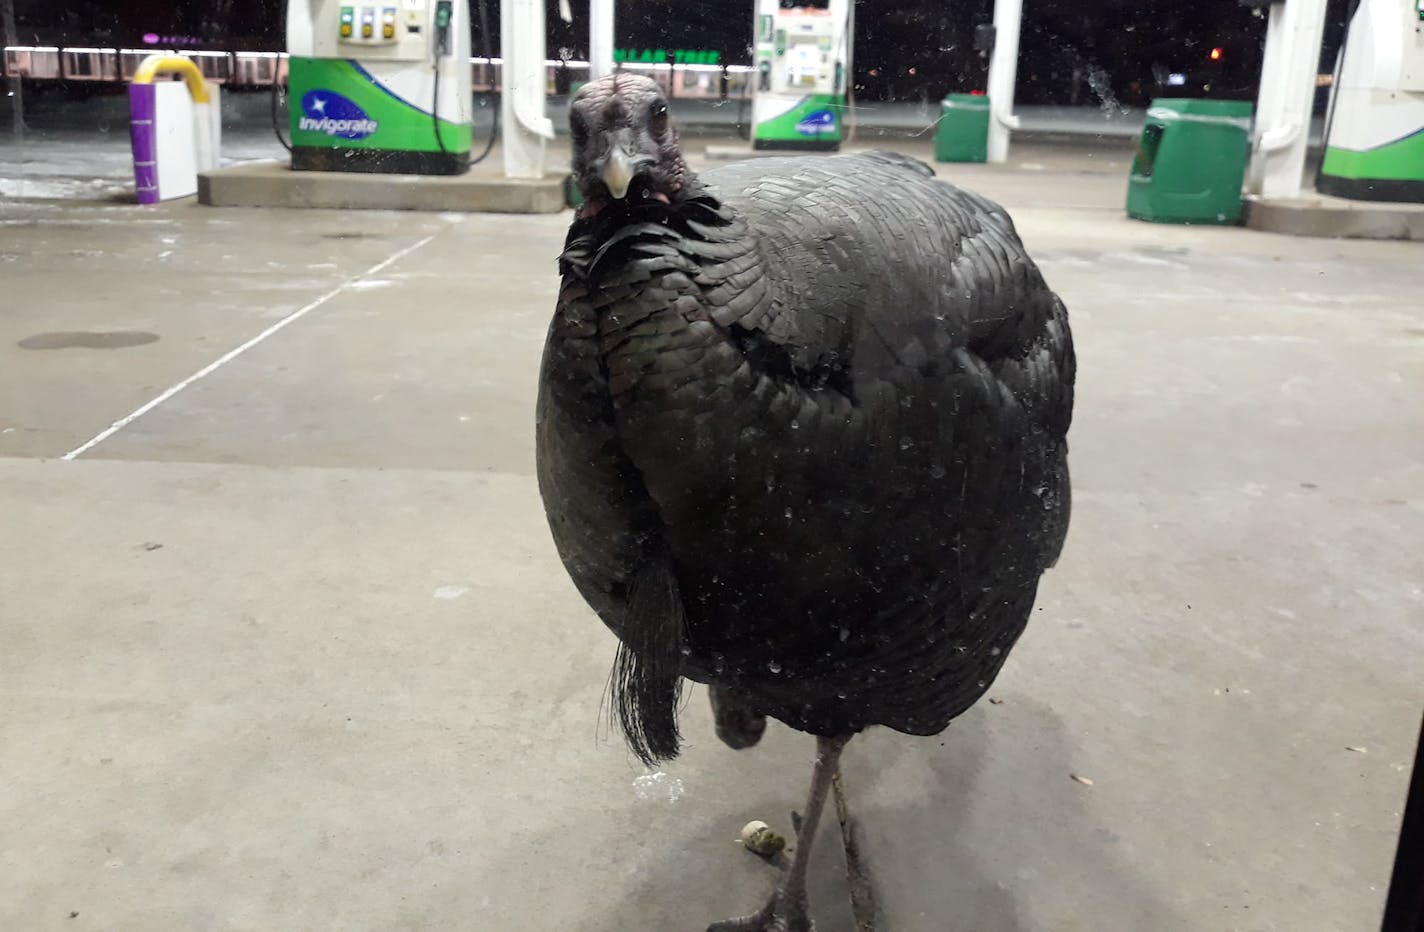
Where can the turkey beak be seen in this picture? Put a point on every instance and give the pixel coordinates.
(622, 163)
(617, 172)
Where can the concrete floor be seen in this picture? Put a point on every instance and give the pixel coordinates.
(292, 650)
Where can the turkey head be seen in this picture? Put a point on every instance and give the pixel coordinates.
(625, 149)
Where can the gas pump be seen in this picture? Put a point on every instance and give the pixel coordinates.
(803, 65)
(380, 87)
(1374, 147)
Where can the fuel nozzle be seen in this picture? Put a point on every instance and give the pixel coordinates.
(444, 11)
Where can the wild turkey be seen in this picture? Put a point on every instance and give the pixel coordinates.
(801, 437)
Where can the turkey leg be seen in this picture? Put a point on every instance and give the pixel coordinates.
(788, 910)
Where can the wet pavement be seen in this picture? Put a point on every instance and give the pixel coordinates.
(286, 644)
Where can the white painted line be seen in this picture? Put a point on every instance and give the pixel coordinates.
(229, 356)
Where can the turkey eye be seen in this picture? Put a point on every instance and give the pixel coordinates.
(658, 118)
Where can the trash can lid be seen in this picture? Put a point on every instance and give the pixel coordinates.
(1203, 107)
(966, 101)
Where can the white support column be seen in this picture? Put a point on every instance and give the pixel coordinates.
(600, 38)
(526, 129)
(1283, 107)
(1003, 71)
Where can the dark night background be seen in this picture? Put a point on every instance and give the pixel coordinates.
(1070, 53)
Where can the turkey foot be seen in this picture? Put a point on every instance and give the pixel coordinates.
(782, 914)
(788, 910)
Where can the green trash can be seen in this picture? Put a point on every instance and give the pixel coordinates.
(1190, 162)
(963, 131)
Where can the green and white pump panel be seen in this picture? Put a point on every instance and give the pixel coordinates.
(802, 69)
(380, 87)
(1375, 139)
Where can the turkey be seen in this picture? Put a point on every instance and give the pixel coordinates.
(801, 436)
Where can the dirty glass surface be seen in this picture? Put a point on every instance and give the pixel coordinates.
(566, 465)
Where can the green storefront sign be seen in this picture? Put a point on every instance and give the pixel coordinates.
(668, 56)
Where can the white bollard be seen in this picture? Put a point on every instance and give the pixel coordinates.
(527, 130)
(1003, 72)
(1283, 106)
(600, 38)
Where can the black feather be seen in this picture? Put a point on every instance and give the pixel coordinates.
(802, 436)
(647, 670)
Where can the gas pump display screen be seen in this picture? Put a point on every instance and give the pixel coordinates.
(805, 61)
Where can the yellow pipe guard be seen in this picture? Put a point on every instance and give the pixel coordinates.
(155, 65)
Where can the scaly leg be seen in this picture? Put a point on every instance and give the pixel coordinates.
(789, 910)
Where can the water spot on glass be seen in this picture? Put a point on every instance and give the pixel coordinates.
(658, 785)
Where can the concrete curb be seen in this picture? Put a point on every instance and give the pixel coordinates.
(274, 184)
(1336, 218)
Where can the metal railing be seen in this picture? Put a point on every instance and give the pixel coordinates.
(261, 69)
